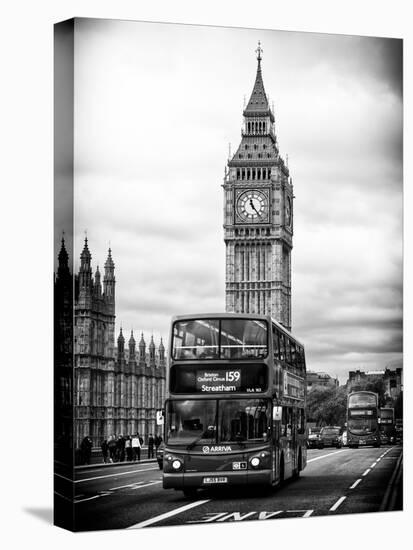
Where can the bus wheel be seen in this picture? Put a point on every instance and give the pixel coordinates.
(190, 492)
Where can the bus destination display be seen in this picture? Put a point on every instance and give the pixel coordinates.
(246, 378)
(218, 381)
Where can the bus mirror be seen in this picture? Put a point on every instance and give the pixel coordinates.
(277, 413)
(159, 418)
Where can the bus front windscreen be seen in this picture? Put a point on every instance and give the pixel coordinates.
(191, 422)
(360, 400)
(219, 339)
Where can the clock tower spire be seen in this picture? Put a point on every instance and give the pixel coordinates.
(258, 222)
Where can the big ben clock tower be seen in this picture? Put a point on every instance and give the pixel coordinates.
(258, 216)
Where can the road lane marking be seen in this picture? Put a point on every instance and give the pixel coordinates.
(355, 484)
(167, 515)
(210, 517)
(366, 472)
(374, 464)
(324, 456)
(306, 515)
(337, 504)
(114, 475)
(147, 485)
(85, 499)
(124, 486)
(109, 492)
(63, 477)
(236, 516)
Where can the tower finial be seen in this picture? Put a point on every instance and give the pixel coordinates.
(259, 51)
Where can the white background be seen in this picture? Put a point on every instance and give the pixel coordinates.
(27, 264)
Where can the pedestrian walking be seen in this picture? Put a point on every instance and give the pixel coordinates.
(128, 448)
(86, 449)
(112, 448)
(120, 448)
(136, 448)
(151, 443)
(105, 450)
(158, 441)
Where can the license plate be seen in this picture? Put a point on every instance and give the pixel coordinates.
(211, 480)
(362, 442)
(239, 465)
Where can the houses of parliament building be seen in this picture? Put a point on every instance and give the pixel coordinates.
(106, 390)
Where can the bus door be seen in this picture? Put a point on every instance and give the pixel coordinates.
(275, 447)
(294, 437)
(287, 427)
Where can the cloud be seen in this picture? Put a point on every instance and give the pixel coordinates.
(152, 128)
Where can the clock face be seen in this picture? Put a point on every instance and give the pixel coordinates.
(252, 206)
(288, 211)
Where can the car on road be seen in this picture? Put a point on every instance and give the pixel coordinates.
(314, 439)
(331, 436)
(159, 455)
(384, 438)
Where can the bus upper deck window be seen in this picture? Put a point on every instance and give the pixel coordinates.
(275, 344)
(282, 347)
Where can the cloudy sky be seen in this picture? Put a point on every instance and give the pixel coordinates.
(156, 107)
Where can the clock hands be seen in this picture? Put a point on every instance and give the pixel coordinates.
(253, 207)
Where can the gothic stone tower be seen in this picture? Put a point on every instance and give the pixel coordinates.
(94, 331)
(258, 216)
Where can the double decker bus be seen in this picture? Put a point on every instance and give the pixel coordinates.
(387, 425)
(235, 408)
(363, 419)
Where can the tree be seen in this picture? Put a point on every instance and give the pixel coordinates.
(327, 406)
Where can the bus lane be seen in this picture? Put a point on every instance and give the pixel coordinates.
(322, 489)
(367, 492)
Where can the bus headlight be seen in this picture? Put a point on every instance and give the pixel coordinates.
(176, 464)
(255, 462)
